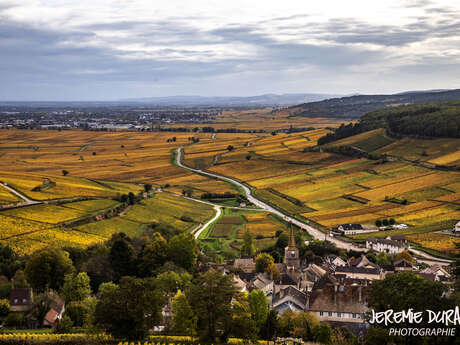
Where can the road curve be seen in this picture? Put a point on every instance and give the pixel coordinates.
(430, 259)
(315, 233)
(209, 222)
(26, 201)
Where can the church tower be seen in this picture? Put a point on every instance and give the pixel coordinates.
(291, 253)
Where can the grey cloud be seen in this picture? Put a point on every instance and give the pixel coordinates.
(35, 60)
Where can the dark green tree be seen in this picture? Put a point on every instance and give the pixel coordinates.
(122, 258)
(270, 327)
(210, 297)
(76, 287)
(147, 187)
(131, 198)
(263, 262)
(47, 268)
(258, 306)
(153, 255)
(9, 261)
(404, 291)
(183, 251)
(130, 309)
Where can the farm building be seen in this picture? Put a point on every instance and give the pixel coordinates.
(54, 314)
(385, 245)
(349, 229)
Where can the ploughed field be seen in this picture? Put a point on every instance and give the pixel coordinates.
(416, 185)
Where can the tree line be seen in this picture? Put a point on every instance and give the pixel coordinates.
(426, 120)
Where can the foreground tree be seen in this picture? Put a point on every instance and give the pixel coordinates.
(210, 297)
(76, 287)
(270, 328)
(183, 251)
(153, 255)
(9, 261)
(258, 307)
(130, 309)
(122, 258)
(184, 319)
(47, 268)
(42, 305)
(242, 323)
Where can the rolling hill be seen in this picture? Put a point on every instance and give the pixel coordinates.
(354, 106)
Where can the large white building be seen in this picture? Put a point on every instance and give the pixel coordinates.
(385, 245)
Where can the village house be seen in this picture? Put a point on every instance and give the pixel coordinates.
(385, 245)
(289, 298)
(21, 299)
(362, 262)
(54, 314)
(403, 266)
(245, 264)
(334, 261)
(340, 302)
(437, 272)
(362, 273)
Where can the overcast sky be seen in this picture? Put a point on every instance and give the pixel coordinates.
(107, 50)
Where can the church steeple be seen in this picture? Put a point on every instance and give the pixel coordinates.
(291, 253)
(291, 238)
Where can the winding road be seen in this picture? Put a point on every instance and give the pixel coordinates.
(26, 201)
(315, 233)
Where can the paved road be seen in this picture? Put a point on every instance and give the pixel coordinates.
(315, 233)
(429, 259)
(205, 226)
(26, 201)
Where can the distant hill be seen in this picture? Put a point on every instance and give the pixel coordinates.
(261, 100)
(354, 106)
(434, 120)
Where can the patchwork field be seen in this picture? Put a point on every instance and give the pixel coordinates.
(29, 228)
(99, 164)
(331, 189)
(284, 169)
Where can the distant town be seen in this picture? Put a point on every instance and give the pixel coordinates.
(101, 118)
